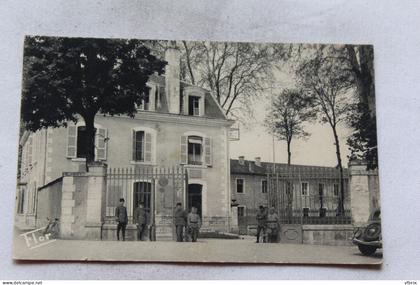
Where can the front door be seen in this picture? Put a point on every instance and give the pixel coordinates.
(194, 198)
(142, 194)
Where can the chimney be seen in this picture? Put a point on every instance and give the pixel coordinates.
(258, 161)
(172, 73)
(242, 160)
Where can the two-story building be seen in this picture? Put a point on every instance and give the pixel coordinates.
(177, 125)
(301, 194)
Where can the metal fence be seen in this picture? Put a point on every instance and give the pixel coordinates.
(138, 185)
(310, 195)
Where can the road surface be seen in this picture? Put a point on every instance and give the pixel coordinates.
(205, 250)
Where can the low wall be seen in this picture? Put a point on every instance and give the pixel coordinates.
(48, 202)
(327, 234)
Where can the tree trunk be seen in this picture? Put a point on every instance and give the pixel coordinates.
(289, 153)
(340, 208)
(90, 140)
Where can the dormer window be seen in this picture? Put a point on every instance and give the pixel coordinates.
(151, 99)
(193, 101)
(194, 105)
(145, 103)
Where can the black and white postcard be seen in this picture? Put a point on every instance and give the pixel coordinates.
(196, 151)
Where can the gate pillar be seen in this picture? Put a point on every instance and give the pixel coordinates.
(359, 192)
(95, 203)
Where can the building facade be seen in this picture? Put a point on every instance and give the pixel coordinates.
(177, 126)
(300, 194)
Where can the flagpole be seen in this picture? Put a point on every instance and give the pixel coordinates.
(272, 133)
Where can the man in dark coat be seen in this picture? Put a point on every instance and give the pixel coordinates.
(140, 219)
(180, 222)
(122, 219)
(261, 223)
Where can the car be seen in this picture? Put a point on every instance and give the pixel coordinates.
(369, 237)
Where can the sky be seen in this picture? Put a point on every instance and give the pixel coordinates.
(318, 149)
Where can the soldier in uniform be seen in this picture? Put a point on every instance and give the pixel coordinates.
(273, 225)
(180, 222)
(121, 218)
(194, 224)
(261, 223)
(140, 219)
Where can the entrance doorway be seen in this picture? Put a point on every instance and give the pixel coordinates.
(194, 197)
(142, 193)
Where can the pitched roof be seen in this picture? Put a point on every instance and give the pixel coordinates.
(284, 170)
(212, 108)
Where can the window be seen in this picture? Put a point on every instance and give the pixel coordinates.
(158, 97)
(305, 212)
(241, 211)
(321, 189)
(195, 150)
(142, 146)
(77, 142)
(305, 188)
(138, 154)
(21, 200)
(193, 105)
(264, 186)
(289, 188)
(81, 142)
(144, 103)
(239, 185)
(336, 190)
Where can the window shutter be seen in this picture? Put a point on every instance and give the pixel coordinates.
(184, 148)
(133, 157)
(207, 151)
(148, 147)
(30, 150)
(71, 141)
(100, 142)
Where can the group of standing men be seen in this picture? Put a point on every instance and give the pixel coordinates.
(268, 225)
(186, 224)
(140, 219)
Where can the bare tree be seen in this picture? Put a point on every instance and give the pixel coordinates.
(289, 111)
(236, 73)
(328, 82)
(357, 61)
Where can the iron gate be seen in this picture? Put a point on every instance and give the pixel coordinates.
(159, 189)
(307, 195)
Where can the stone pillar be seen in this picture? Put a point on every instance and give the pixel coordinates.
(95, 204)
(67, 206)
(359, 192)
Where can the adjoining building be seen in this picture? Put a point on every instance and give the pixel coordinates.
(301, 194)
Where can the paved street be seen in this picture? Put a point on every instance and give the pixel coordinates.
(207, 250)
